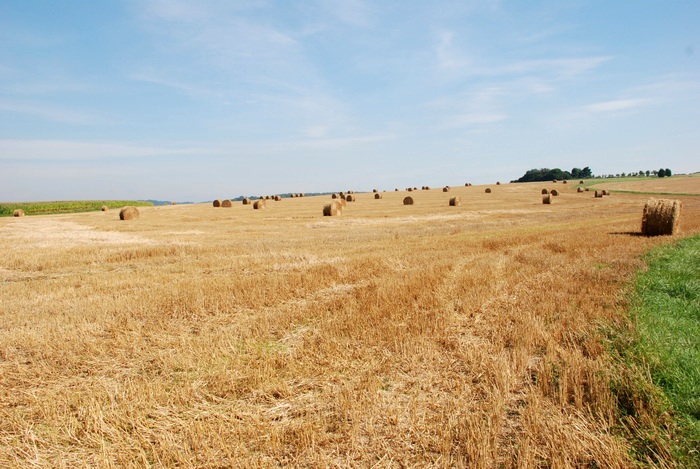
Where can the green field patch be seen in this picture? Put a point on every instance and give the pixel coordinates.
(70, 206)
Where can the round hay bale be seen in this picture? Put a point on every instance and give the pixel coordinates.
(375, 190)
(334, 196)
(408, 201)
(216, 203)
(598, 194)
(547, 199)
(488, 190)
(545, 191)
(661, 217)
(580, 189)
(226, 203)
(173, 203)
(409, 189)
(554, 180)
(350, 198)
(104, 208)
(564, 182)
(445, 189)
(415, 188)
(455, 201)
(396, 190)
(377, 196)
(606, 192)
(554, 192)
(267, 197)
(498, 183)
(18, 213)
(259, 204)
(129, 213)
(586, 189)
(332, 209)
(278, 198)
(580, 182)
(246, 201)
(342, 194)
(301, 194)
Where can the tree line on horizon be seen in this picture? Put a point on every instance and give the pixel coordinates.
(546, 174)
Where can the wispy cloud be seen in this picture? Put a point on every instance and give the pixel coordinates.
(81, 150)
(617, 105)
(353, 12)
(53, 113)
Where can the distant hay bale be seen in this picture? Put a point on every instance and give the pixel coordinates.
(408, 201)
(104, 208)
(332, 209)
(488, 190)
(409, 189)
(267, 197)
(554, 180)
(334, 196)
(277, 198)
(217, 203)
(547, 199)
(445, 189)
(301, 194)
(246, 201)
(661, 217)
(343, 196)
(259, 204)
(598, 194)
(396, 190)
(375, 190)
(606, 192)
(129, 213)
(580, 182)
(554, 192)
(580, 189)
(350, 198)
(545, 191)
(455, 201)
(586, 189)
(415, 188)
(18, 213)
(173, 203)
(377, 196)
(498, 183)
(564, 182)
(226, 203)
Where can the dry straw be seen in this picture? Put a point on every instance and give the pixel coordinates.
(129, 213)
(332, 209)
(343, 203)
(217, 203)
(547, 199)
(580, 189)
(18, 213)
(606, 192)
(408, 201)
(226, 203)
(278, 198)
(259, 204)
(661, 217)
(455, 201)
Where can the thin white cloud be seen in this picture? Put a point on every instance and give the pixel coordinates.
(80, 150)
(616, 105)
(53, 113)
(353, 12)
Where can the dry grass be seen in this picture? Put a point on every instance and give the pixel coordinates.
(382, 338)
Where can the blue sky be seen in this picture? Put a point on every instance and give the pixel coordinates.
(195, 100)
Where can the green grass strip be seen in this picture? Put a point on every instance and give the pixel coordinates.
(70, 206)
(667, 315)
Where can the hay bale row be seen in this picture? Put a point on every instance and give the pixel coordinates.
(129, 213)
(661, 217)
(467, 184)
(425, 188)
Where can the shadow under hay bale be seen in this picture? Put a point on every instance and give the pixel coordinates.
(547, 199)
(661, 217)
(18, 213)
(129, 213)
(455, 201)
(408, 201)
(332, 209)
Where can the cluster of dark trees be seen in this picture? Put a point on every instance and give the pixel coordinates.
(546, 174)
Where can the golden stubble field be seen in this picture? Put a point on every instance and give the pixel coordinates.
(392, 336)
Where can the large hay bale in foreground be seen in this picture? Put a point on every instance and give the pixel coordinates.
(332, 209)
(129, 213)
(226, 203)
(455, 201)
(18, 213)
(545, 191)
(104, 208)
(377, 196)
(554, 192)
(408, 201)
(661, 217)
(216, 203)
(259, 204)
(547, 199)
(488, 190)
(246, 201)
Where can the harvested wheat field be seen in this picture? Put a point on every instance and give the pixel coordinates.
(394, 336)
